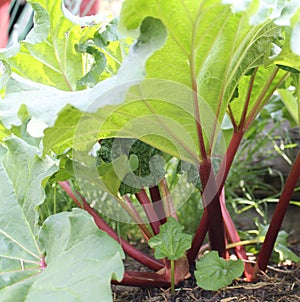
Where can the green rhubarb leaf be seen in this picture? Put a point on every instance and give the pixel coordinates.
(292, 103)
(283, 13)
(208, 50)
(213, 272)
(171, 242)
(45, 102)
(93, 76)
(259, 88)
(80, 263)
(88, 257)
(22, 172)
(285, 57)
(82, 131)
(48, 54)
(81, 260)
(3, 132)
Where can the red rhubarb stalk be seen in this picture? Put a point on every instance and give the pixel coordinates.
(128, 249)
(143, 279)
(149, 210)
(158, 204)
(276, 222)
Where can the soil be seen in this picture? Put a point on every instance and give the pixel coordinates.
(278, 284)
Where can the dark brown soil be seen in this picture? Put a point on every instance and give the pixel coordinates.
(280, 284)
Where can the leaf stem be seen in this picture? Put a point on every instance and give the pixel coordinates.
(128, 248)
(210, 197)
(241, 243)
(172, 277)
(143, 279)
(157, 203)
(149, 210)
(248, 98)
(54, 199)
(211, 201)
(276, 221)
(198, 238)
(20, 270)
(234, 237)
(231, 116)
(262, 98)
(167, 198)
(146, 233)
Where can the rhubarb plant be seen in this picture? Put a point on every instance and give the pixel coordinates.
(115, 102)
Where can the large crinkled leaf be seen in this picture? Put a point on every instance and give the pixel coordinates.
(44, 102)
(208, 51)
(81, 261)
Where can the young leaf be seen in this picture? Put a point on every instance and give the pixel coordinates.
(171, 242)
(112, 173)
(213, 272)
